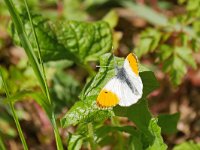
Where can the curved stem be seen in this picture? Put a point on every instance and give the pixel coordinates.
(91, 136)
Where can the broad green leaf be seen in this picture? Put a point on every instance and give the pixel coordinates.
(135, 142)
(103, 76)
(168, 122)
(189, 145)
(138, 113)
(75, 142)
(106, 73)
(85, 111)
(157, 143)
(113, 132)
(72, 40)
(104, 130)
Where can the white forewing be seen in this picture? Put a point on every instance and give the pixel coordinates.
(134, 79)
(123, 92)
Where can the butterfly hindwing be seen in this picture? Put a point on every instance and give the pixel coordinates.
(116, 92)
(108, 95)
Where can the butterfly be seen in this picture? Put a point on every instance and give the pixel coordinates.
(125, 88)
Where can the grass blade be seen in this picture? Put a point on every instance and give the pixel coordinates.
(39, 50)
(2, 146)
(13, 112)
(53, 119)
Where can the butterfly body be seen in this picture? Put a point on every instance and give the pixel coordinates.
(125, 88)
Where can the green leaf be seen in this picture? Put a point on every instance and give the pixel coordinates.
(192, 4)
(168, 122)
(177, 71)
(105, 132)
(75, 142)
(72, 40)
(74, 10)
(135, 142)
(165, 52)
(103, 76)
(111, 18)
(157, 143)
(186, 55)
(134, 114)
(149, 41)
(189, 145)
(64, 90)
(85, 111)
(86, 108)
(144, 46)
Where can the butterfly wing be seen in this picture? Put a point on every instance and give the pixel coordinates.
(125, 89)
(115, 92)
(132, 70)
(108, 96)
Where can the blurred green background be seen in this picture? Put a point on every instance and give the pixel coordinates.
(165, 35)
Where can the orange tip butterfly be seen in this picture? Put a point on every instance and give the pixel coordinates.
(125, 88)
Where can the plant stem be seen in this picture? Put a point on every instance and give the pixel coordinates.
(2, 146)
(18, 126)
(91, 136)
(115, 122)
(56, 133)
(19, 129)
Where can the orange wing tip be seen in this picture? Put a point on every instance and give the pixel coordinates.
(133, 62)
(107, 99)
